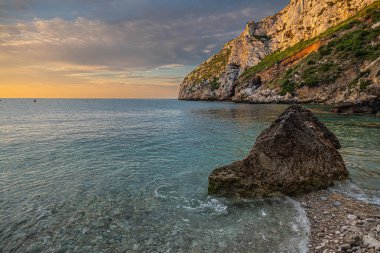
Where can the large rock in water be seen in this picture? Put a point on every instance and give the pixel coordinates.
(296, 154)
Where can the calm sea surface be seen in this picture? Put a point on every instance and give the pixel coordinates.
(131, 176)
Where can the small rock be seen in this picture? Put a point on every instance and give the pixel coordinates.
(337, 203)
(352, 217)
(371, 242)
(354, 229)
(374, 26)
(360, 222)
(319, 247)
(355, 249)
(345, 247)
(323, 197)
(353, 239)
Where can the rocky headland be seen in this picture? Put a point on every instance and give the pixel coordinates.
(312, 51)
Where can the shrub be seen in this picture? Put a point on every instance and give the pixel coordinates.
(373, 12)
(325, 50)
(350, 24)
(311, 81)
(364, 83)
(289, 72)
(326, 67)
(361, 53)
(287, 86)
(214, 84)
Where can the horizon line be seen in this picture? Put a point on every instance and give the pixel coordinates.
(3, 98)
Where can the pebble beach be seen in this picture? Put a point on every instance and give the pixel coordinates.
(341, 224)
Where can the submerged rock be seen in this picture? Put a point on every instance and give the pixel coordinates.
(296, 154)
(370, 106)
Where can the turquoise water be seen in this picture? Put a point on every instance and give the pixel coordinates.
(131, 176)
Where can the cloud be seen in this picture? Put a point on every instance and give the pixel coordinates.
(117, 41)
(132, 44)
(144, 34)
(170, 66)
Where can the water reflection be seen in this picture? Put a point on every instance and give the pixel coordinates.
(121, 175)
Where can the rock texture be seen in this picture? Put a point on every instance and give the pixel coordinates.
(296, 154)
(218, 77)
(371, 106)
(341, 224)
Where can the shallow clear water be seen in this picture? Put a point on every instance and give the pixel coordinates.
(131, 176)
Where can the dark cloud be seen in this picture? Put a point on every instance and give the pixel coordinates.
(132, 33)
(127, 10)
(124, 42)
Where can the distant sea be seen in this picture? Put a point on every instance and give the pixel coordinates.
(131, 175)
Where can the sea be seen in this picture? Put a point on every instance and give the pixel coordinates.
(97, 175)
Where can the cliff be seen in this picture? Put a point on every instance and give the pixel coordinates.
(255, 66)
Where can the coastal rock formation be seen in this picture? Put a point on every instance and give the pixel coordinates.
(296, 154)
(304, 26)
(371, 106)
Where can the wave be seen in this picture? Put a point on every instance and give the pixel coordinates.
(211, 205)
(301, 223)
(352, 190)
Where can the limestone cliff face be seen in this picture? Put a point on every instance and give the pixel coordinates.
(215, 79)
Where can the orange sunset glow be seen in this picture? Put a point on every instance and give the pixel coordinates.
(123, 49)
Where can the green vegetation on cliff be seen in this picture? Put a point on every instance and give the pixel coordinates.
(339, 55)
(346, 43)
(210, 69)
(344, 48)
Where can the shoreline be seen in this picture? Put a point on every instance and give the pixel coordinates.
(339, 223)
(346, 108)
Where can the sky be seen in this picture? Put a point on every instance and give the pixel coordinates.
(114, 48)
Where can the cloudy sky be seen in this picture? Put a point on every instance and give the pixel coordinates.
(114, 48)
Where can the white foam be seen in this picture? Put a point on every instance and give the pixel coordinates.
(210, 205)
(354, 191)
(302, 224)
(157, 194)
